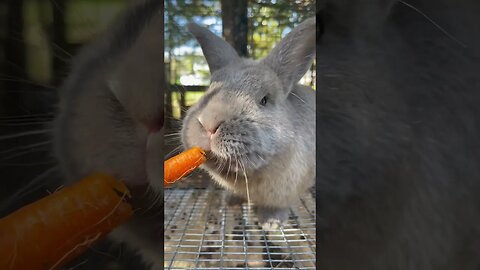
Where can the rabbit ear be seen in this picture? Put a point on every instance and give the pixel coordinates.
(292, 57)
(216, 50)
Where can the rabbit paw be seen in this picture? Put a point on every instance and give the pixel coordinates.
(272, 218)
(233, 200)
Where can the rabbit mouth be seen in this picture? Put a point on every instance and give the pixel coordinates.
(225, 164)
(229, 164)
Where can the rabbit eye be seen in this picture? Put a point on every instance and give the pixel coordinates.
(263, 101)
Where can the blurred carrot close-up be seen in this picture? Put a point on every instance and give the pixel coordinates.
(52, 231)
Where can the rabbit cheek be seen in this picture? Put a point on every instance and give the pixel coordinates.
(204, 143)
(196, 136)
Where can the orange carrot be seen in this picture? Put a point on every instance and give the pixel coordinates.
(52, 231)
(182, 164)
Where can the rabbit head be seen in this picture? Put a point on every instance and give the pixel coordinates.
(244, 118)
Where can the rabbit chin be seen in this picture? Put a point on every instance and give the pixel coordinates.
(230, 166)
(222, 166)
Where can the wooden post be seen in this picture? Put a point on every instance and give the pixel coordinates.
(183, 102)
(14, 53)
(235, 24)
(59, 43)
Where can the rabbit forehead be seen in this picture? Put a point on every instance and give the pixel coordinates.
(247, 79)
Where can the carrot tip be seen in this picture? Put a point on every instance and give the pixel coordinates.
(182, 164)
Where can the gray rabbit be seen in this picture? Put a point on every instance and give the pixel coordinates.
(398, 119)
(257, 123)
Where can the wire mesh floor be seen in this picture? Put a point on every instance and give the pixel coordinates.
(201, 232)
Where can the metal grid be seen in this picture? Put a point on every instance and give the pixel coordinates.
(201, 232)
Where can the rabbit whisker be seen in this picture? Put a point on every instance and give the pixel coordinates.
(24, 147)
(29, 151)
(236, 168)
(174, 151)
(229, 164)
(246, 185)
(26, 133)
(28, 188)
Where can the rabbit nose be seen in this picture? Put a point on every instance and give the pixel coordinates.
(210, 129)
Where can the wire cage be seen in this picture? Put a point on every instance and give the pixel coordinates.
(202, 232)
